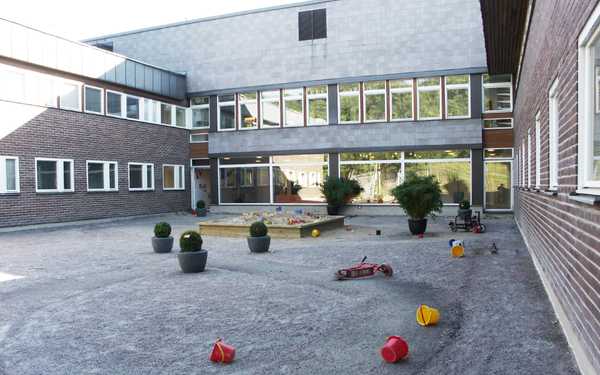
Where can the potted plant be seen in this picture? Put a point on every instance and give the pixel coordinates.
(419, 196)
(464, 209)
(191, 257)
(162, 242)
(259, 240)
(339, 192)
(200, 208)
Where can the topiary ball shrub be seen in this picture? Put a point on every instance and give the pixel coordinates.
(190, 241)
(464, 205)
(162, 230)
(200, 204)
(258, 229)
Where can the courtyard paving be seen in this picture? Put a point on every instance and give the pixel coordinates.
(95, 299)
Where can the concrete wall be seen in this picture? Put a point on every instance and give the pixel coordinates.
(562, 234)
(364, 38)
(65, 134)
(370, 136)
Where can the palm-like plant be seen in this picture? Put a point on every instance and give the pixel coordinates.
(419, 196)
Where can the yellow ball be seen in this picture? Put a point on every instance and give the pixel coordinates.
(315, 233)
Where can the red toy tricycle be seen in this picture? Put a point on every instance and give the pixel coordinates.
(363, 270)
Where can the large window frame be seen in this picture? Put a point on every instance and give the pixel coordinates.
(351, 94)
(106, 175)
(529, 184)
(59, 171)
(222, 104)
(496, 85)
(458, 87)
(4, 175)
(291, 95)
(269, 97)
(553, 135)
(426, 89)
(245, 99)
(147, 185)
(499, 159)
(121, 104)
(538, 151)
(372, 92)
(317, 96)
(403, 89)
(76, 87)
(178, 177)
(85, 99)
(588, 101)
(204, 106)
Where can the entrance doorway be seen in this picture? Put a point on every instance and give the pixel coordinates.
(200, 185)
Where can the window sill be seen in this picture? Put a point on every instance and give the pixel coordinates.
(589, 198)
(550, 193)
(103, 191)
(168, 189)
(54, 192)
(10, 193)
(140, 190)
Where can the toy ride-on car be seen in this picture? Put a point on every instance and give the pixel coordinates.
(467, 223)
(363, 270)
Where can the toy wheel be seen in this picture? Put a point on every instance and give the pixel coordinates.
(452, 227)
(386, 269)
(339, 276)
(482, 228)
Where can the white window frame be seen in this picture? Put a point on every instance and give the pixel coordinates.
(496, 85)
(200, 106)
(78, 85)
(458, 86)
(553, 133)
(529, 184)
(402, 90)
(192, 137)
(538, 151)
(3, 175)
(145, 185)
(171, 115)
(178, 176)
(174, 116)
(420, 89)
(140, 109)
(106, 175)
(349, 93)
(154, 105)
(523, 164)
(225, 104)
(292, 98)
(264, 100)
(375, 92)
(512, 123)
(587, 89)
(101, 99)
(310, 97)
(512, 173)
(253, 102)
(59, 172)
(121, 97)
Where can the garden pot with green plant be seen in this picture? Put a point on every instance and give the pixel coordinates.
(464, 209)
(259, 241)
(162, 242)
(191, 257)
(338, 192)
(200, 208)
(419, 196)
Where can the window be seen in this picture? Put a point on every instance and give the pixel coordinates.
(401, 92)
(226, 112)
(317, 105)
(297, 178)
(312, 24)
(270, 111)
(151, 111)
(529, 158)
(54, 175)
(589, 106)
(248, 110)
(293, 107)
(538, 150)
(173, 177)
(377, 172)
(504, 123)
(132, 106)
(166, 114)
(428, 98)
(498, 178)
(374, 101)
(458, 96)
(204, 162)
(94, 102)
(199, 138)
(141, 176)
(180, 117)
(200, 112)
(102, 176)
(349, 103)
(70, 96)
(113, 104)
(9, 174)
(497, 93)
(553, 121)
(523, 164)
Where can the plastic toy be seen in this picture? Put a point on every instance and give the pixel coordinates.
(468, 223)
(394, 349)
(222, 352)
(457, 248)
(315, 233)
(363, 270)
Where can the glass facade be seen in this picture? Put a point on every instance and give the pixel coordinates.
(227, 112)
(270, 102)
(429, 98)
(248, 110)
(349, 102)
(293, 112)
(374, 99)
(498, 178)
(401, 92)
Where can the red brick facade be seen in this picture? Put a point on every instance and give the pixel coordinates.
(80, 136)
(562, 234)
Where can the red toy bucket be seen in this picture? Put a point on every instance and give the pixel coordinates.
(394, 349)
(222, 352)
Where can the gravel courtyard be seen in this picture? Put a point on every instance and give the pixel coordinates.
(95, 299)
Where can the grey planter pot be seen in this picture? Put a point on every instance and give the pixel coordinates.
(192, 261)
(162, 245)
(201, 212)
(259, 244)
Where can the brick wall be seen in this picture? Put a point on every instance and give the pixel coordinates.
(563, 235)
(79, 136)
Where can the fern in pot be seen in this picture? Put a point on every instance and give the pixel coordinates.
(420, 197)
(338, 192)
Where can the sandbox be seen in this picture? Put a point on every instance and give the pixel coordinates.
(281, 225)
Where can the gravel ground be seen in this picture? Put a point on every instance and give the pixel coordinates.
(95, 299)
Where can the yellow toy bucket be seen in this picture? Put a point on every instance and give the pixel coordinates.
(427, 316)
